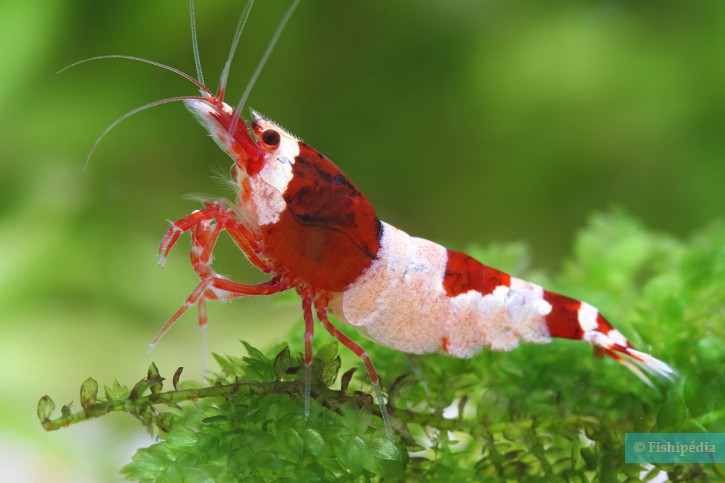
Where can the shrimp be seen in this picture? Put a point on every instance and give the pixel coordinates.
(299, 218)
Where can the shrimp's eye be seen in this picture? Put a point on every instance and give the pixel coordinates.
(270, 139)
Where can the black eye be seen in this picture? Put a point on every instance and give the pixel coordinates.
(270, 139)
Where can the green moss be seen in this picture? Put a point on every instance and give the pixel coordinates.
(549, 412)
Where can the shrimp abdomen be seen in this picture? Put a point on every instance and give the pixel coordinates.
(420, 297)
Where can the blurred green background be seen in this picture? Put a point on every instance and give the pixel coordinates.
(463, 121)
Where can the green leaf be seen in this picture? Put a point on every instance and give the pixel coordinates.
(294, 442)
(165, 421)
(282, 362)
(116, 392)
(327, 352)
(671, 415)
(400, 385)
(181, 436)
(46, 406)
(256, 364)
(314, 442)
(140, 388)
(153, 371)
(384, 449)
(177, 376)
(254, 353)
(346, 378)
(89, 392)
(330, 371)
(354, 454)
(590, 457)
(224, 363)
(153, 460)
(219, 418)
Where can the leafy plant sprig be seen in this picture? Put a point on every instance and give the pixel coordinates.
(541, 412)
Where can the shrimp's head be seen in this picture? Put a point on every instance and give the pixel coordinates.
(266, 150)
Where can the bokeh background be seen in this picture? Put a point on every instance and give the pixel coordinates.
(463, 121)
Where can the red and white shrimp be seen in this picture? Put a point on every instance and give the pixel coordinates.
(298, 217)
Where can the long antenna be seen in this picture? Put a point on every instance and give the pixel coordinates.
(186, 76)
(237, 35)
(195, 43)
(260, 66)
(135, 111)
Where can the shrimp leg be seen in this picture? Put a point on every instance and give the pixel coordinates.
(224, 217)
(321, 307)
(213, 286)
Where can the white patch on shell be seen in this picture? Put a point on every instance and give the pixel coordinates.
(399, 301)
(587, 317)
(522, 316)
(543, 307)
(617, 337)
(597, 338)
(269, 185)
(594, 337)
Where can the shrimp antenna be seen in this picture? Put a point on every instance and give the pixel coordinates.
(134, 111)
(237, 35)
(195, 43)
(186, 76)
(260, 66)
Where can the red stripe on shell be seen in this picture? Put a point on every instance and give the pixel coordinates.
(602, 325)
(464, 273)
(563, 320)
